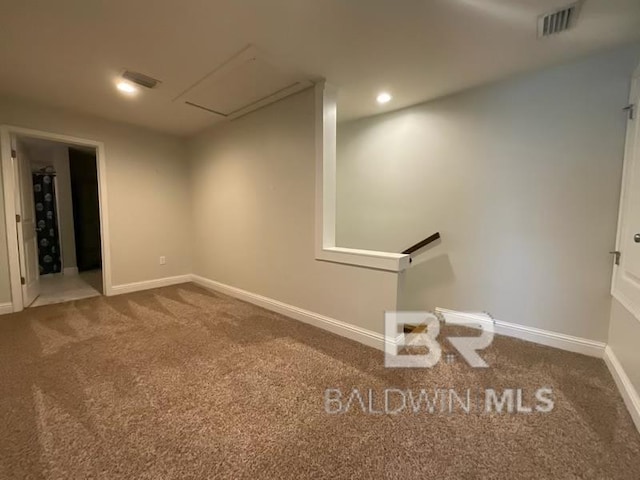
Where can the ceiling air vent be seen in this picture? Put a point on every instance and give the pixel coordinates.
(140, 79)
(558, 20)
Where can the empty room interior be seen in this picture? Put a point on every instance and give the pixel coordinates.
(320, 239)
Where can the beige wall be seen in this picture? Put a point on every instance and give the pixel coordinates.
(148, 190)
(624, 338)
(522, 178)
(253, 187)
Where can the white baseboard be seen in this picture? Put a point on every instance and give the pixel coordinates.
(377, 340)
(70, 271)
(536, 335)
(149, 284)
(6, 308)
(628, 392)
(362, 335)
(570, 343)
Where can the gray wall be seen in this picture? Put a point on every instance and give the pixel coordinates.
(148, 192)
(521, 177)
(253, 210)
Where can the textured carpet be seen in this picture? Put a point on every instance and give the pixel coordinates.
(182, 383)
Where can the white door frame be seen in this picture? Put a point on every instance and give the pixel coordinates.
(627, 175)
(8, 177)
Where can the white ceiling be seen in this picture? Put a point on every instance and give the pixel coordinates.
(68, 52)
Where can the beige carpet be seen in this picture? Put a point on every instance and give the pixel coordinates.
(181, 383)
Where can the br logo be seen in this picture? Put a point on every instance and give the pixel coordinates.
(426, 335)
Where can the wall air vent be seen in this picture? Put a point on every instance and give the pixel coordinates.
(140, 79)
(558, 20)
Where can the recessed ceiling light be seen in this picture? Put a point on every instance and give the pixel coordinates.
(126, 87)
(384, 97)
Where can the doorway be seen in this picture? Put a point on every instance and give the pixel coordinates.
(86, 209)
(56, 184)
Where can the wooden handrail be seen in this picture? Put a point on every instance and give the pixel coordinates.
(421, 244)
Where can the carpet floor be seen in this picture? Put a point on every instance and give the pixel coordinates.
(182, 383)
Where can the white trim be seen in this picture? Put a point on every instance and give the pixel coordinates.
(10, 208)
(377, 340)
(393, 262)
(627, 174)
(149, 284)
(8, 175)
(6, 308)
(326, 109)
(561, 341)
(326, 125)
(628, 392)
(22, 169)
(361, 335)
(70, 271)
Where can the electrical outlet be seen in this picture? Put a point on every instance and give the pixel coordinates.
(163, 260)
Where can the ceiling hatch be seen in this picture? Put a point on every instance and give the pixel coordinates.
(246, 82)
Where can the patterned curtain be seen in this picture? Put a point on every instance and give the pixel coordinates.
(47, 222)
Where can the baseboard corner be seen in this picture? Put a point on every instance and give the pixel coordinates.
(627, 391)
(149, 284)
(6, 308)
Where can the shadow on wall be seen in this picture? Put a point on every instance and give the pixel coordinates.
(426, 276)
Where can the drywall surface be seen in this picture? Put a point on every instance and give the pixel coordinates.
(253, 187)
(148, 191)
(522, 179)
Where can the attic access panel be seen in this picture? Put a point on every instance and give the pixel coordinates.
(245, 83)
